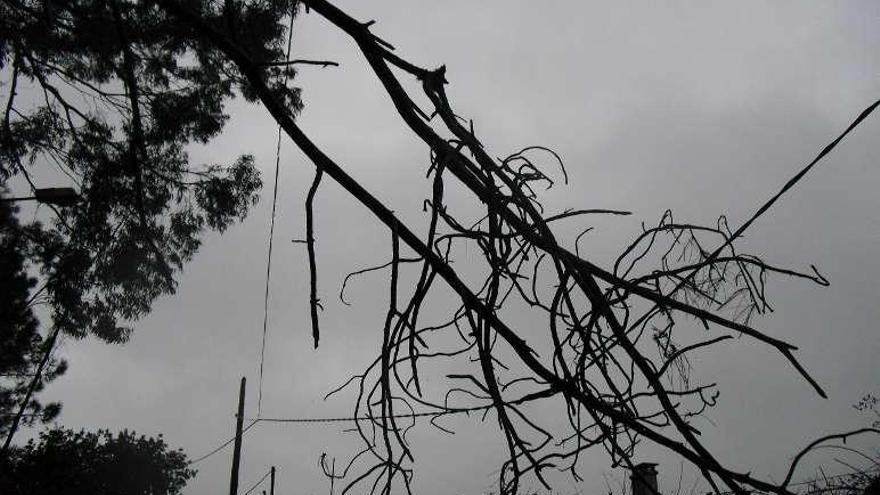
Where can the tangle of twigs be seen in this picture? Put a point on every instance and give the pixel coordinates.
(613, 357)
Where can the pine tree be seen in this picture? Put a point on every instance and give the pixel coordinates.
(112, 93)
(21, 346)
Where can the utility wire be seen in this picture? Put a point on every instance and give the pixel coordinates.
(254, 421)
(255, 485)
(223, 445)
(466, 410)
(272, 236)
(425, 414)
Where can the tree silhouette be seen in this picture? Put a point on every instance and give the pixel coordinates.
(21, 346)
(111, 93)
(612, 358)
(67, 462)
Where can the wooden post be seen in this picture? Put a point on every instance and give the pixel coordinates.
(236, 454)
(272, 481)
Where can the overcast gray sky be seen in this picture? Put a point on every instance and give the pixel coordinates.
(702, 107)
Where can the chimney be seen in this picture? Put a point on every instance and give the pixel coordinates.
(644, 479)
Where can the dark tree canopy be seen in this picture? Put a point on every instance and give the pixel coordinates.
(21, 346)
(109, 93)
(66, 462)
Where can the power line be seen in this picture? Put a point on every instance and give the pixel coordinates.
(376, 418)
(443, 412)
(222, 446)
(249, 490)
(254, 421)
(272, 236)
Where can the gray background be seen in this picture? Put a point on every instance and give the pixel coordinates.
(702, 107)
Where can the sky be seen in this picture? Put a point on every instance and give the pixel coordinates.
(704, 108)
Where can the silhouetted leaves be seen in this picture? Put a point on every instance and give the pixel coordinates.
(21, 346)
(111, 93)
(65, 462)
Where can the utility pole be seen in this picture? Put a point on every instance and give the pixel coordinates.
(272, 481)
(236, 455)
